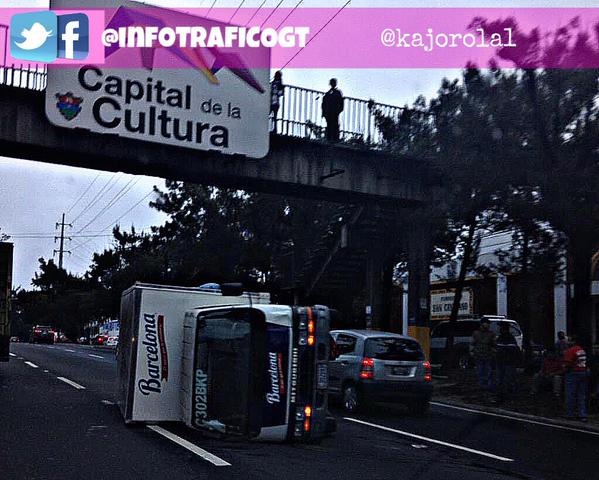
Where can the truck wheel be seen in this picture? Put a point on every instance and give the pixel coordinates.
(351, 398)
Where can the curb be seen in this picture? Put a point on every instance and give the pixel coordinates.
(523, 416)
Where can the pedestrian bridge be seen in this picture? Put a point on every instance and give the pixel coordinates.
(300, 161)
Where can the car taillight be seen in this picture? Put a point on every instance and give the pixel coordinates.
(428, 377)
(307, 425)
(367, 368)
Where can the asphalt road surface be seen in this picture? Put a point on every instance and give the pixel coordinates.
(58, 421)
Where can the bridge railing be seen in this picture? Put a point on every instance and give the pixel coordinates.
(300, 115)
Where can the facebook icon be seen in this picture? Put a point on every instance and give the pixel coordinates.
(73, 37)
(44, 36)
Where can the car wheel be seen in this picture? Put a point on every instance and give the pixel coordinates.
(351, 398)
(419, 407)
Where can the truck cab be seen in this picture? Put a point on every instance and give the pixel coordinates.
(260, 372)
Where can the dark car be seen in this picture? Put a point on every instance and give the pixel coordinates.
(371, 366)
(99, 340)
(42, 334)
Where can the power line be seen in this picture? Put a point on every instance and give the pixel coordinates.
(94, 199)
(112, 202)
(272, 13)
(316, 34)
(290, 13)
(25, 237)
(211, 7)
(132, 208)
(235, 13)
(83, 194)
(255, 13)
(119, 218)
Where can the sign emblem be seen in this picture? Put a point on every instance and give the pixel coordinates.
(68, 105)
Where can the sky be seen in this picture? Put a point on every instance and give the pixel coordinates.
(34, 195)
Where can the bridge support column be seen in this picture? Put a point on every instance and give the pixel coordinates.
(419, 258)
(378, 287)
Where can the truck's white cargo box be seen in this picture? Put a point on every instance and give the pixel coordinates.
(150, 347)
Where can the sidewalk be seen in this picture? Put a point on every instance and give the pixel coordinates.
(461, 390)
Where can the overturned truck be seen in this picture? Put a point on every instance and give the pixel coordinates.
(224, 362)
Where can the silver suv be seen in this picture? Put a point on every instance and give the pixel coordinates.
(369, 366)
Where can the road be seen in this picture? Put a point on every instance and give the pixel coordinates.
(58, 420)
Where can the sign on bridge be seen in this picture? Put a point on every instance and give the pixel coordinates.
(206, 104)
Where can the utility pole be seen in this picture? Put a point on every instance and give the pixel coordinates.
(61, 249)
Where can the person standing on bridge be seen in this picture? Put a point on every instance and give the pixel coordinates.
(332, 106)
(277, 90)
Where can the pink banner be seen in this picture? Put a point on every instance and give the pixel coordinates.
(329, 38)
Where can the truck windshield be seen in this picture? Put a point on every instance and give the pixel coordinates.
(229, 374)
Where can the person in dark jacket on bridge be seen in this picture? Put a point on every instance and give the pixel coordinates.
(332, 106)
(508, 359)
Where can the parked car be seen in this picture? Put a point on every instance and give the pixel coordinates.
(112, 342)
(464, 329)
(14, 339)
(370, 366)
(42, 334)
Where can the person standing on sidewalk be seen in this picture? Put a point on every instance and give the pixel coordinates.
(577, 379)
(482, 349)
(508, 359)
(561, 345)
(551, 374)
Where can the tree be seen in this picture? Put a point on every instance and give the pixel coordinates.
(564, 126)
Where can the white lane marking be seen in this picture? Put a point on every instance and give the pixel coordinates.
(20, 358)
(209, 457)
(107, 402)
(45, 371)
(95, 356)
(431, 440)
(71, 383)
(517, 419)
(69, 350)
(32, 365)
(12, 354)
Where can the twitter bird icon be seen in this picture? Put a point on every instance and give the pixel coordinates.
(33, 36)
